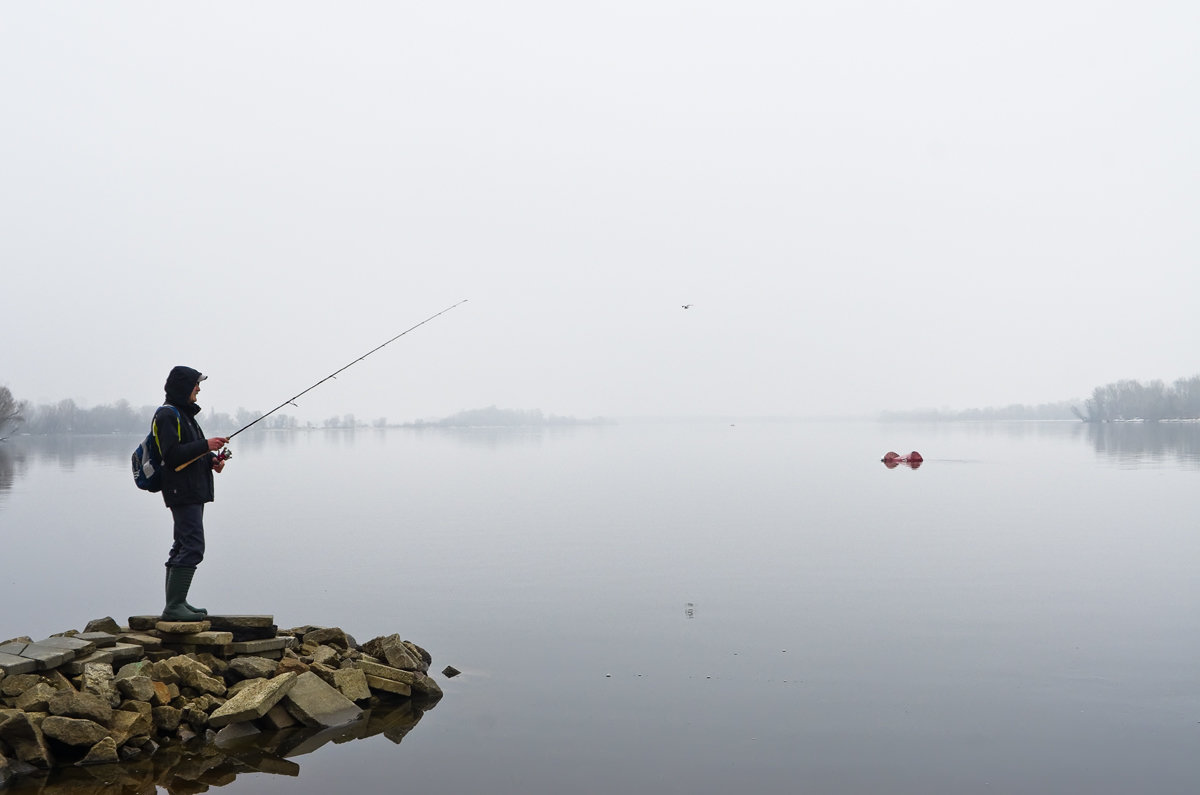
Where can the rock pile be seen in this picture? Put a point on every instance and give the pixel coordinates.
(174, 701)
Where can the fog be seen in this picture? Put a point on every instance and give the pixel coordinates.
(868, 205)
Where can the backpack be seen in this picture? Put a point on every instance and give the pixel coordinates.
(147, 459)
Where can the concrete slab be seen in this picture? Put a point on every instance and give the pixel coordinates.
(259, 646)
(12, 665)
(47, 657)
(81, 648)
(316, 703)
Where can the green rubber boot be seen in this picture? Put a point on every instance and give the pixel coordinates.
(179, 580)
(186, 604)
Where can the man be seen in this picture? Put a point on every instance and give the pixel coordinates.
(181, 442)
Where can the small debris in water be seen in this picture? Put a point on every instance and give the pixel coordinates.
(450, 672)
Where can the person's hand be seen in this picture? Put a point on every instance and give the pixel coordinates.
(216, 443)
(218, 464)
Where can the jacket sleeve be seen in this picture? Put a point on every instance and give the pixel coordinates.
(174, 452)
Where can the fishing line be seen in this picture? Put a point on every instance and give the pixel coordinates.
(291, 401)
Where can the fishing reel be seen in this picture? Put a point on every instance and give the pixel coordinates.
(225, 454)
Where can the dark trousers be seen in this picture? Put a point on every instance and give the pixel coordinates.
(188, 549)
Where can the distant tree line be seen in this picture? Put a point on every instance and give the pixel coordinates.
(1152, 401)
(66, 416)
(494, 417)
(1016, 411)
(1120, 400)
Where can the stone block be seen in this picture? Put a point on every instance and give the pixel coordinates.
(260, 646)
(144, 623)
(11, 664)
(140, 639)
(138, 688)
(75, 667)
(232, 622)
(254, 701)
(74, 644)
(251, 667)
(36, 698)
(388, 685)
(102, 639)
(126, 652)
(73, 731)
(206, 638)
(315, 703)
(394, 650)
(46, 657)
(386, 672)
(182, 627)
(351, 683)
(89, 706)
(278, 717)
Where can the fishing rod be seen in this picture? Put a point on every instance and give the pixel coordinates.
(225, 453)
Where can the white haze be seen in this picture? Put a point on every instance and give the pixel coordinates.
(870, 205)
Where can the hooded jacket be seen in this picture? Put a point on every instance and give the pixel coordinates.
(180, 439)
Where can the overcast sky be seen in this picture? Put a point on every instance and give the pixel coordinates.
(869, 205)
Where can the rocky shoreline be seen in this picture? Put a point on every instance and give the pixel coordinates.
(186, 705)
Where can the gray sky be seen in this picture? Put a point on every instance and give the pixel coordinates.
(871, 205)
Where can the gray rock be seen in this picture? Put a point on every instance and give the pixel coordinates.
(26, 740)
(351, 683)
(70, 704)
(254, 701)
(13, 686)
(102, 639)
(73, 731)
(193, 678)
(316, 703)
(102, 753)
(98, 679)
(106, 624)
(138, 688)
(166, 719)
(392, 649)
(331, 636)
(426, 687)
(36, 698)
(253, 667)
(127, 724)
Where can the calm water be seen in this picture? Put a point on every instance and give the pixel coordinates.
(690, 608)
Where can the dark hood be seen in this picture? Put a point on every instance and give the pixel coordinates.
(179, 386)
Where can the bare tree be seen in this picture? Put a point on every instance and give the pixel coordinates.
(10, 411)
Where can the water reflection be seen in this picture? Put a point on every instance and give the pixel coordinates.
(12, 465)
(198, 766)
(1135, 443)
